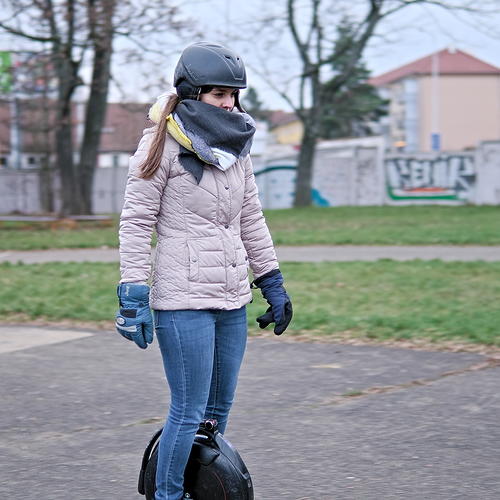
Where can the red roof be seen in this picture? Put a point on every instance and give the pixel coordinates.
(36, 120)
(121, 132)
(123, 126)
(276, 118)
(450, 62)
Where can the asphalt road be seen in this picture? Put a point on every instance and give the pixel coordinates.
(317, 253)
(313, 421)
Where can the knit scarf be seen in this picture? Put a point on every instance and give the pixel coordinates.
(208, 136)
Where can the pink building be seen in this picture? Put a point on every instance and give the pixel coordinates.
(449, 100)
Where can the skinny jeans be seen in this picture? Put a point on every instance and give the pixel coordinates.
(202, 351)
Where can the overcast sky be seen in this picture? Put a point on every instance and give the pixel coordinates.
(411, 34)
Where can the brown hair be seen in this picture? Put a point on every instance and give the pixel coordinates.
(153, 161)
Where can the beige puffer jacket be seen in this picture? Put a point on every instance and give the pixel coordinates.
(208, 233)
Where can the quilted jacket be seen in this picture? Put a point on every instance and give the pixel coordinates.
(209, 234)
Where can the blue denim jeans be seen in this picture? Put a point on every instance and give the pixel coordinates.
(202, 353)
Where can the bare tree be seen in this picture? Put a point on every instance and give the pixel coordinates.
(311, 24)
(75, 32)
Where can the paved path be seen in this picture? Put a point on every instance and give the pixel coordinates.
(312, 421)
(286, 253)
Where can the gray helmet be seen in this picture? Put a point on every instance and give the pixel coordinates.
(205, 64)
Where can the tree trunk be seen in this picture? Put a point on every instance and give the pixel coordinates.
(46, 185)
(70, 193)
(46, 176)
(70, 196)
(96, 106)
(94, 121)
(303, 184)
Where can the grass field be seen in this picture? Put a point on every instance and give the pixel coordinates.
(410, 225)
(369, 300)
(417, 225)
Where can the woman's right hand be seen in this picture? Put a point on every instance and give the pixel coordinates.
(134, 320)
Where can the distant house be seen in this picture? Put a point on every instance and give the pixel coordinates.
(285, 127)
(33, 134)
(449, 100)
(120, 134)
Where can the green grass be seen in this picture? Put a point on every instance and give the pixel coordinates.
(417, 225)
(376, 300)
(41, 236)
(56, 291)
(410, 225)
(45, 239)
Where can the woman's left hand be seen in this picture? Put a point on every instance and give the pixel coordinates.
(280, 309)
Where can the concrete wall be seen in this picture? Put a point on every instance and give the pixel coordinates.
(19, 191)
(357, 172)
(487, 174)
(346, 172)
(109, 187)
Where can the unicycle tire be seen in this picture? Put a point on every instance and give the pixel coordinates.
(215, 470)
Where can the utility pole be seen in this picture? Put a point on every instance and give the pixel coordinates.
(15, 115)
(15, 132)
(435, 134)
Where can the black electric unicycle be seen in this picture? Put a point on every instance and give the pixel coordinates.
(215, 470)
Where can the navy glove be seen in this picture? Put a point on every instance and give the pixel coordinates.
(134, 320)
(280, 310)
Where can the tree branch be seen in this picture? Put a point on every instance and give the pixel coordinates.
(445, 5)
(23, 34)
(295, 35)
(317, 28)
(70, 16)
(49, 14)
(278, 91)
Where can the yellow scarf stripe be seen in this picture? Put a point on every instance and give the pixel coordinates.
(175, 131)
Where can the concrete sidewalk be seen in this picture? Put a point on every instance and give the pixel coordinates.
(312, 421)
(285, 254)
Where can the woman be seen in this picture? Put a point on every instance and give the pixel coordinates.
(191, 179)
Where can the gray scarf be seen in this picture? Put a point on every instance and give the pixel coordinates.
(218, 137)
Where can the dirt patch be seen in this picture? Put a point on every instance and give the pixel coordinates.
(347, 338)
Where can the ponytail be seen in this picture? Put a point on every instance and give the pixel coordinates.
(153, 161)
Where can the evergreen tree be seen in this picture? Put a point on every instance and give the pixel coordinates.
(348, 110)
(253, 105)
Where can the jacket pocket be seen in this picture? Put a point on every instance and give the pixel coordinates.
(194, 262)
(242, 263)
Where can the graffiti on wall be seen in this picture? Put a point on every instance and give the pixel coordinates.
(444, 177)
(276, 185)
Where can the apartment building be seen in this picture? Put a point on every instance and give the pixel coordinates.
(446, 101)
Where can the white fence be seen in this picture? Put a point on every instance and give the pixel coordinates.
(357, 172)
(346, 172)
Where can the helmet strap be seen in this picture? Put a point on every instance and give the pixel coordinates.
(237, 102)
(187, 91)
